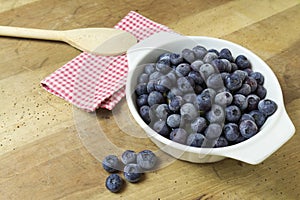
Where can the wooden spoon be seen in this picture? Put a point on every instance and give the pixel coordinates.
(100, 41)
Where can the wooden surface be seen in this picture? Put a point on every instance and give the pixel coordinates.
(41, 154)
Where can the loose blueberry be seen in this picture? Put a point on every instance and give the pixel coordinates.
(146, 159)
(111, 163)
(242, 74)
(114, 183)
(128, 156)
(267, 107)
(179, 135)
(248, 128)
(132, 172)
(195, 139)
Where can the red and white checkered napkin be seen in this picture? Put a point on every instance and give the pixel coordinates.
(89, 81)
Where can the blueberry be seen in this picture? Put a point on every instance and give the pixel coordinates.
(111, 163)
(259, 117)
(199, 124)
(199, 51)
(185, 84)
(142, 100)
(128, 156)
(195, 139)
(196, 76)
(231, 131)
(164, 56)
(176, 103)
(161, 128)
(163, 84)
(146, 159)
(132, 172)
(216, 114)
(214, 51)
(267, 107)
(221, 142)
(172, 77)
(155, 98)
(151, 86)
(183, 69)
(174, 92)
(141, 88)
(163, 66)
(223, 98)
(240, 101)
(251, 82)
(114, 183)
(178, 135)
(174, 120)
(155, 76)
(242, 62)
(196, 65)
(219, 65)
(176, 59)
(210, 56)
(242, 74)
(248, 128)
(189, 111)
(233, 113)
(143, 78)
(204, 100)
(234, 67)
(206, 70)
(149, 68)
(247, 116)
(260, 79)
(162, 111)
(213, 131)
(248, 71)
(233, 82)
(198, 89)
(261, 91)
(215, 81)
(190, 98)
(145, 114)
(244, 90)
(240, 139)
(226, 54)
(229, 67)
(252, 101)
(188, 55)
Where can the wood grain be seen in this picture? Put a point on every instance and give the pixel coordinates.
(41, 153)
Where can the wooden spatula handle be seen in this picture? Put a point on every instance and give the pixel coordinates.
(30, 33)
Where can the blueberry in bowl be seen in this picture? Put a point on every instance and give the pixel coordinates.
(206, 99)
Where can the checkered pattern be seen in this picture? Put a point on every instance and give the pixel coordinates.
(89, 81)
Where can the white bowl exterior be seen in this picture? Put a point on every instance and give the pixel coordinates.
(253, 150)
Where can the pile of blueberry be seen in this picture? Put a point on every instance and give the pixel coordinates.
(203, 98)
(132, 164)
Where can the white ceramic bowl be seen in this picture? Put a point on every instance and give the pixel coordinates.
(277, 130)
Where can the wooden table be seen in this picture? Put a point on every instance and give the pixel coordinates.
(41, 155)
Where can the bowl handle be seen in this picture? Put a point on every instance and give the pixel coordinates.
(264, 146)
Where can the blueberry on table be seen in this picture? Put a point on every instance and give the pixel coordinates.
(248, 128)
(111, 163)
(128, 156)
(146, 159)
(178, 135)
(132, 172)
(231, 131)
(195, 139)
(267, 106)
(114, 183)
